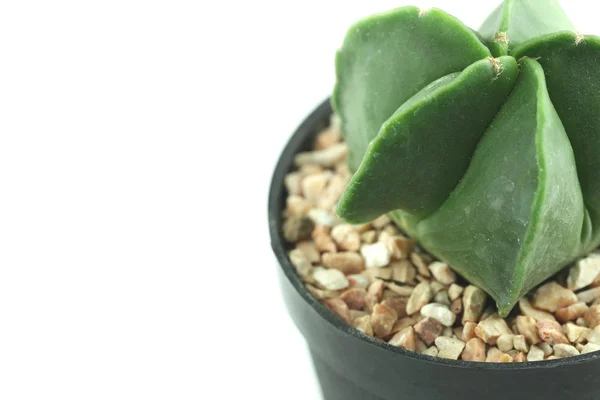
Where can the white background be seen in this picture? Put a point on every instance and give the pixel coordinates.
(137, 141)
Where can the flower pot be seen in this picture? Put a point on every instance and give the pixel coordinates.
(351, 365)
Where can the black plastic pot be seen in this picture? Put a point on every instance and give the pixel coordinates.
(353, 366)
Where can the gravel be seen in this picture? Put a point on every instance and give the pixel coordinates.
(379, 281)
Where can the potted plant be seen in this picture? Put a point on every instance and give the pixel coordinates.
(436, 232)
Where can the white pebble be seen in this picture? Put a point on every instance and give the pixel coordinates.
(439, 312)
(330, 279)
(376, 255)
(321, 217)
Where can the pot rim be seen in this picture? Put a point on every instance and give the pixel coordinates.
(278, 244)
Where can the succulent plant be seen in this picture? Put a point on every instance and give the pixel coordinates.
(483, 146)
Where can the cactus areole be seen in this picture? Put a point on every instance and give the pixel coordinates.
(484, 146)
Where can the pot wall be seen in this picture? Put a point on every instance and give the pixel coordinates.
(353, 366)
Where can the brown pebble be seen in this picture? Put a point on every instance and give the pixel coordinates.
(474, 350)
(418, 262)
(297, 228)
(571, 313)
(405, 339)
(374, 294)
(325, 244)
(363, 324)
(528, 310)
(469, 331)
(398, 304)
(403, 271)
(403, 323)
(592, 316)
(474, 300)
(327, 138)
(551, 332)
(383, 319)
(521, 357)
(355, 298)
(552, 296)
(346, 237)
(490, 329)
(428, 330)
(347, 262)
(339, 308)
(369, 237)
(310, 250)
(457, 306)
(527, 327)
(420, 296)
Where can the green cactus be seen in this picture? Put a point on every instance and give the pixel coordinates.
(483, 146)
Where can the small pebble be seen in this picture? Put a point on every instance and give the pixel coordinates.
(326, 158)
(592, 316)
(520, 343)
(297, 228)
(535, 354)
(575, 333)
(565, 350)
(442, 298)
(584, 272)
(383, 319)
(469, 331)
(428, 330)
(310, 251)
(528, 310)
(527, 326)
(594, 335)
(355, 298)
(398, 304)
(302, 265)
(376, 255)
(420, 296)
(432, 351)
(571, 313)
(449, 348)
(321, 217)
(374, 294)
(590, 348)
(347, 262)
(420, 264)
(552, 296)
(330, 279)
(346, 237)
(339, 308)
(403, 271)
(442, 273)
(589, 296)
(546, 348)
(474, 300)
(363, 324)
(491, 329)
(506, 342)
(439, 312)
(551, 332)
(404, 339)
(474, 350)
(358, 281)
(455, 291)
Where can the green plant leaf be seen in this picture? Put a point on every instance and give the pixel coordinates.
(423, 150)
(386, 59)
(516, 217)
(572, 66)
(516, 21)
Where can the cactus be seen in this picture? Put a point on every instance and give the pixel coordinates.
(484, 146)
